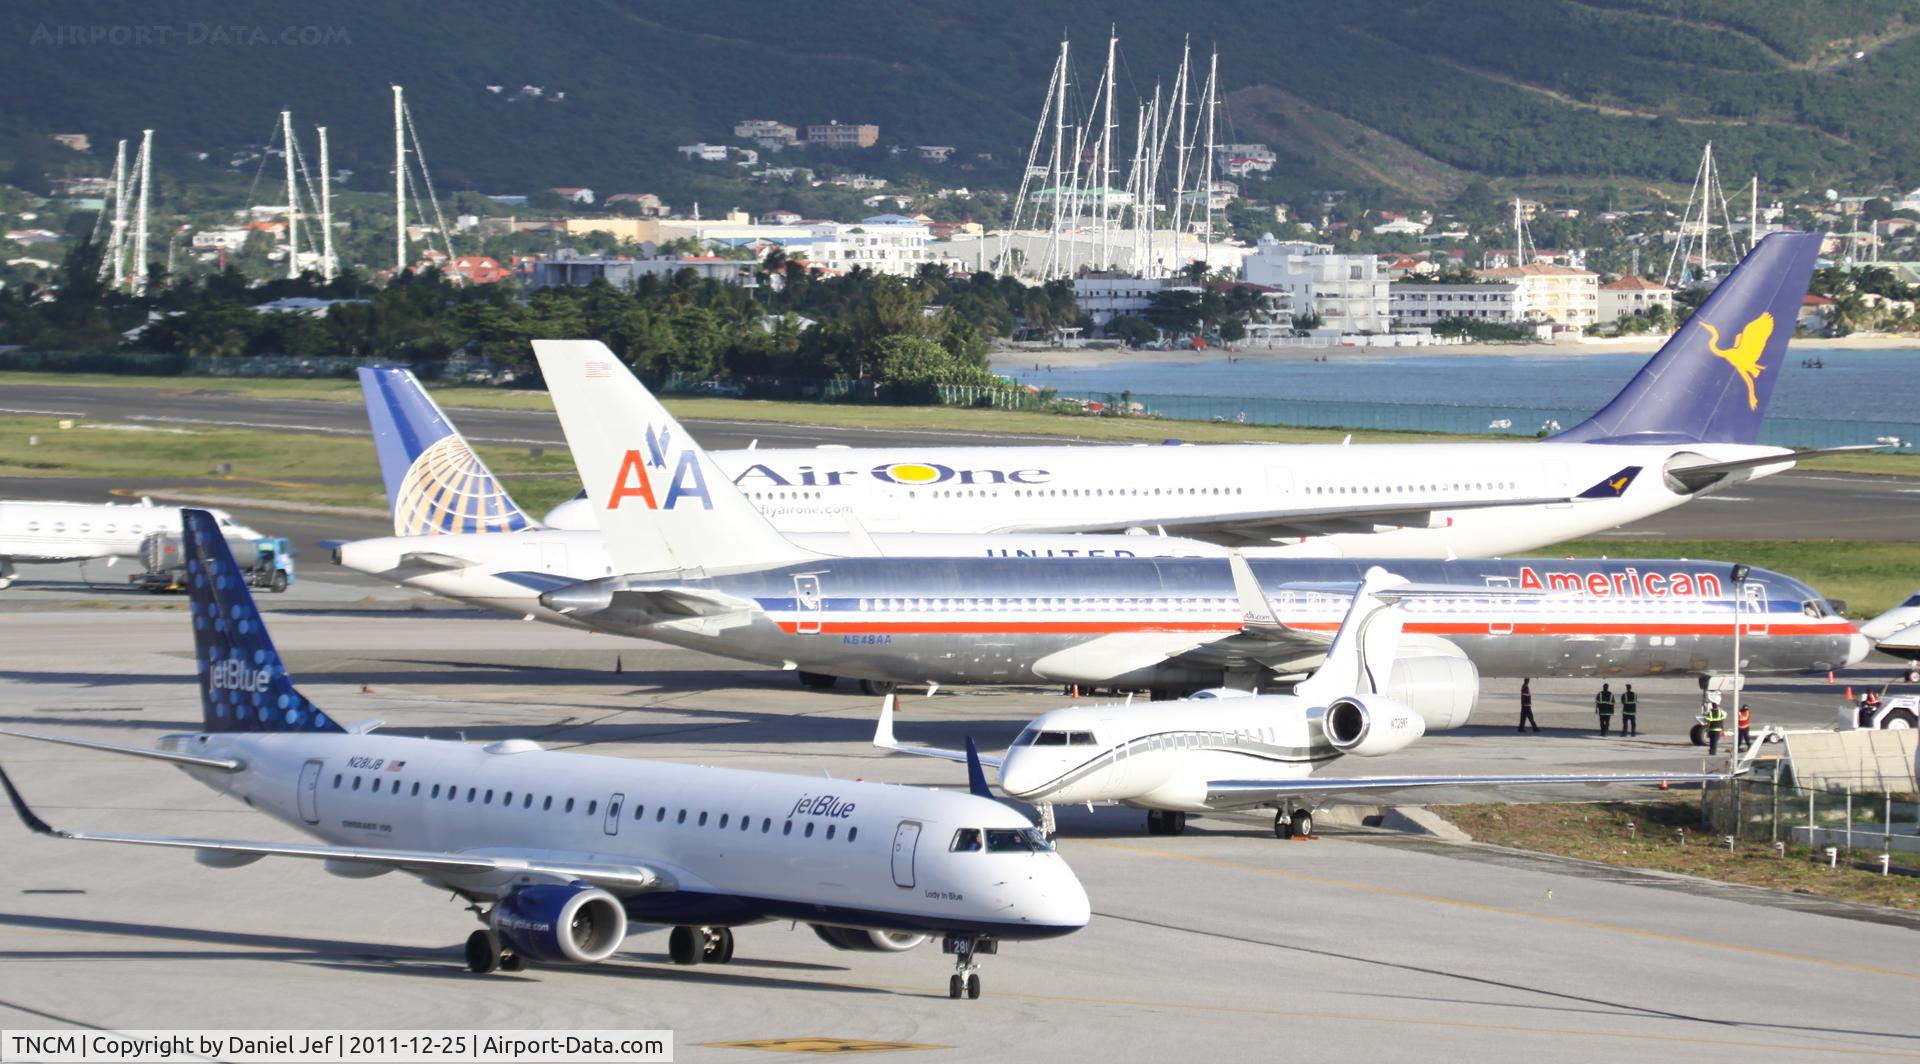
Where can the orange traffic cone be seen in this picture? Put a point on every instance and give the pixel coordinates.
(1663, 785)
(1849, 692)
(1829, 675)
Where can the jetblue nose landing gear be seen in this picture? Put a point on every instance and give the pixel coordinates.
(966, 972)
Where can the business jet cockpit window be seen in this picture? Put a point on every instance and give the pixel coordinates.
(1033, 737)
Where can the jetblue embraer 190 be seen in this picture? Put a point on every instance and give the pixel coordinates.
(1222, 752)
(558, 852)
(700, 567)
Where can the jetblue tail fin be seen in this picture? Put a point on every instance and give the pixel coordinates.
(244, 686)
(1361, 657)
(661, 501)
(435, 483)
(1711, 381)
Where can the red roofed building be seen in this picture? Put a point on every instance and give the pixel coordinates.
(1816, 313)
(1633, 296)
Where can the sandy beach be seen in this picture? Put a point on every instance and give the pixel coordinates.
(1011, 360)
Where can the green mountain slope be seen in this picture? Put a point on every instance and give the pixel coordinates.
(1613, 89)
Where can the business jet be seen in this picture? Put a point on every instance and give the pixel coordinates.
(42, 533)
(1221, 752)
(697, 565)
(1896, 633)
(559, 852)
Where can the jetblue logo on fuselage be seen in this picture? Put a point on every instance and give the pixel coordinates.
(683, 483)
(234, 675)
(831, 806)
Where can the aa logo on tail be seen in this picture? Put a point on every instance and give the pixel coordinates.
(634, 482)
(1745, 353)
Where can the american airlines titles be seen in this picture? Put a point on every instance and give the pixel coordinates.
(1626, 582)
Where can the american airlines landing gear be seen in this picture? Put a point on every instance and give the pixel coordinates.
(966, 972)
(877, 688)
(1297, 824)
(1166, 822)
(692, 945)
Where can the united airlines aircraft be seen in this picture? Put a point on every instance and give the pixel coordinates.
(1221, 752)
(559, 852)
(699, 566)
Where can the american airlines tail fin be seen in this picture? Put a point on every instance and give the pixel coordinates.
(661, 501)
(244, 686)
(1711, 381)
(1361, 657)
(435, 483)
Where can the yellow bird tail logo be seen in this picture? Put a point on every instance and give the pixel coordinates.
(1744, 355)
(1619, 485)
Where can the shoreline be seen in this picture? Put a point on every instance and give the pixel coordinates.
(1009, 360)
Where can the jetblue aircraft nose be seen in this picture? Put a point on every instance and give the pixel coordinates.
(1066, 903)
(589, 596)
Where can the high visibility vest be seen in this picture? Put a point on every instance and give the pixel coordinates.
(1603, 702)
(1629, 702)
(1745, 719)
(1716, 719)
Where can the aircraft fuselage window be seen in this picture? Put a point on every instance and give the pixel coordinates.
(851, 832)
(416, 790)
(356, 783)
(702, 822)
(766, 824)
(682, 818)
(376, 785)
(809, 831)
(639, 810)
(547, 805)
(787, 829)
(336, 781)
(593, 807)
(569, 806)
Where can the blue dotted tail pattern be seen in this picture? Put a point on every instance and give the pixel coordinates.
(244, 686)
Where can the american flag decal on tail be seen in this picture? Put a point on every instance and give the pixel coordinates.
(597, 370)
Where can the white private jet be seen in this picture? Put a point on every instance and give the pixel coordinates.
(44, 533)
(558, 852)
(1228, 750)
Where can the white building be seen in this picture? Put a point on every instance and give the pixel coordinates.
(1414, 304)
(1559, 294)
(1088, 198)
(765, 130)
(1633, 296)
(704, 152)
(1347, 291)
(212, 241)
(884, 243)
(1106, 297)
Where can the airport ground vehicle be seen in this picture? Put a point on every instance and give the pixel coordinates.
(1882, 711)
(265, 563)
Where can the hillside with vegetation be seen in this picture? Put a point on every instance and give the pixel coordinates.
(1417, 97)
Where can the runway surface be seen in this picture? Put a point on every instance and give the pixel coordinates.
(1791, 505)
(1222, 944)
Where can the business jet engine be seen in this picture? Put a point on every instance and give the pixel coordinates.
(560, 924)
(859, 941)
(1371, 725)
(1435, 678)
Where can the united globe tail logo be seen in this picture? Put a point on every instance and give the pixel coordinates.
(448, 490)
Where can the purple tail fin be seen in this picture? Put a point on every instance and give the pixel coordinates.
(1711, 381)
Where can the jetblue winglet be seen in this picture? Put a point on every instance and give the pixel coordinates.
(244, 686)
(1614, 486)
(435, 483)
(1711, 381)
(976, 776)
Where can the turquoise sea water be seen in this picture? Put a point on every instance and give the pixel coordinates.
(1856, 396)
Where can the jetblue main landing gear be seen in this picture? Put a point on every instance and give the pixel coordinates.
(1297, 824)
(1166, 822)
(966, 972)
(692, 945)
(485, 955)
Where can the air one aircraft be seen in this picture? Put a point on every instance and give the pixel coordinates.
(1225, 752)
(1686, 425)
(559, 852)
(38, 533)
(699, 567)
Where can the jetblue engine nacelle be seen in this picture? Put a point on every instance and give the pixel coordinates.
(852, 938)
(1438, 680)
(1370, 725)
(556, 924)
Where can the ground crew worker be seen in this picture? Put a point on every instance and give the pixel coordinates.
(1526, 706)
(1629, 712)
(1744, 722)
(1716, 725)
(1603, 705)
